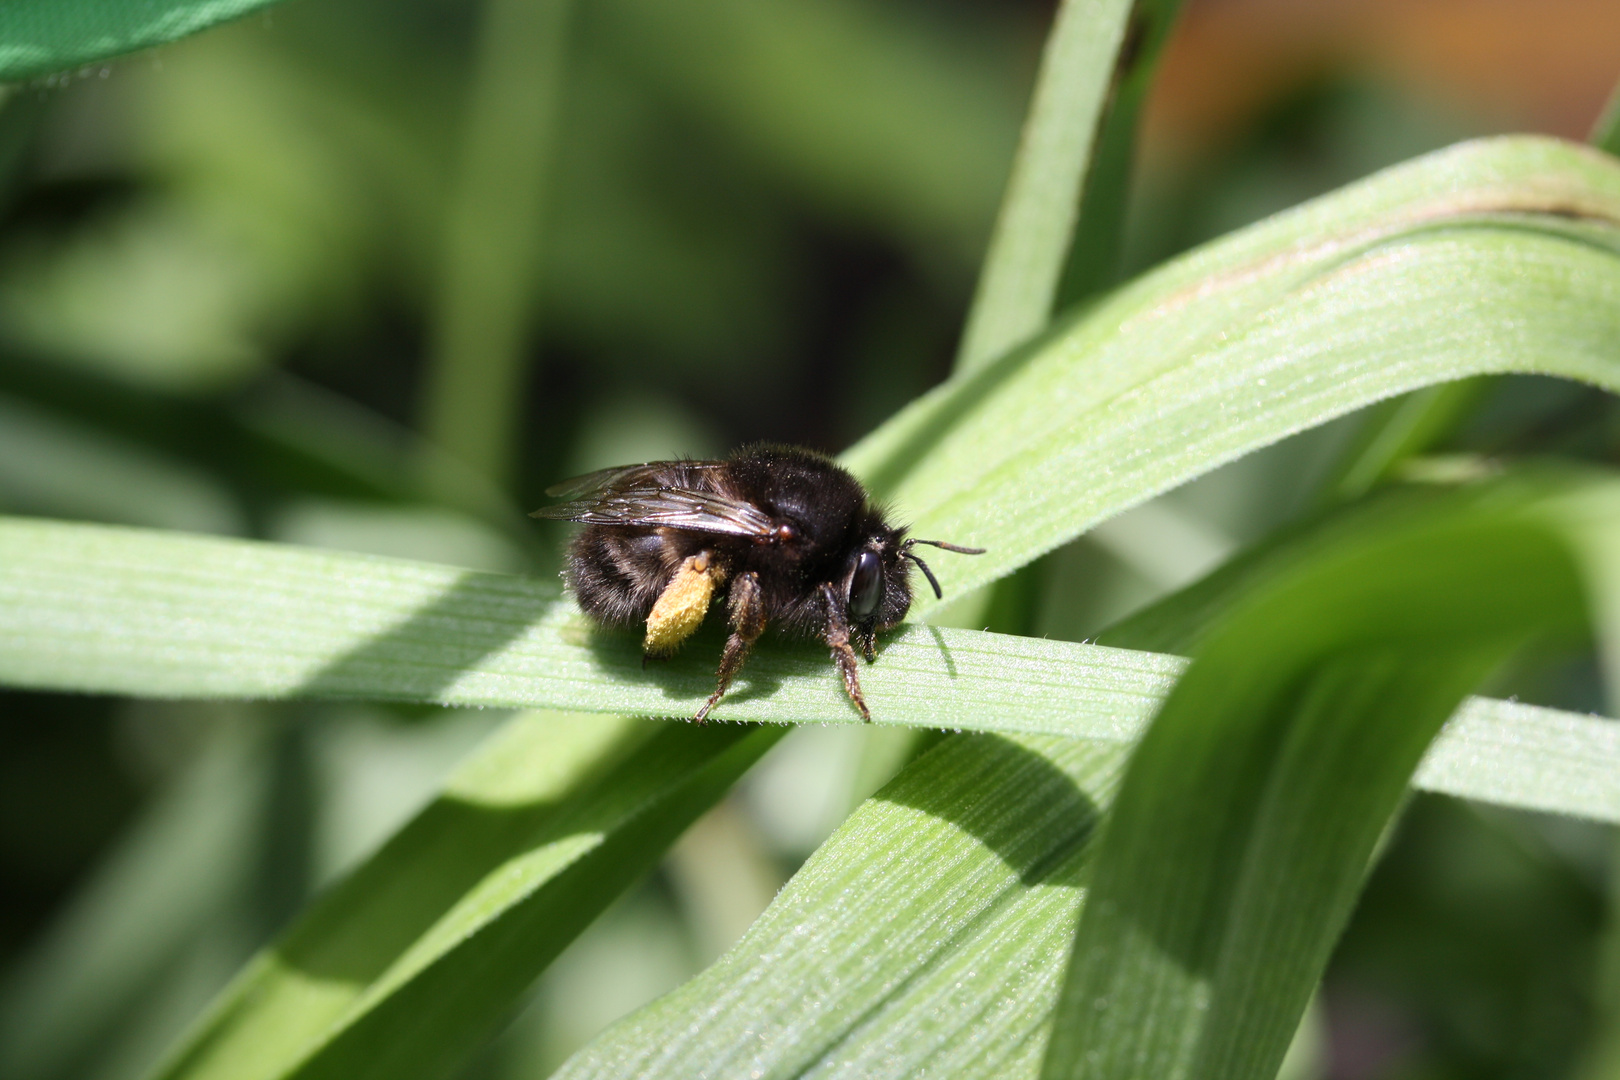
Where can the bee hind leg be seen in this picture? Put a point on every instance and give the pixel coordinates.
(680, 608)
(844, 654)
(747, 623)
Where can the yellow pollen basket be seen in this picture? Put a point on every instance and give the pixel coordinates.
(681, 606)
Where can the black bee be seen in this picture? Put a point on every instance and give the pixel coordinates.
(787, 535)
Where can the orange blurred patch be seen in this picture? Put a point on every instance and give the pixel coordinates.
(1546, 66)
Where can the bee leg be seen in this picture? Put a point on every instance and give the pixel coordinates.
(843, 653)
(747, 623)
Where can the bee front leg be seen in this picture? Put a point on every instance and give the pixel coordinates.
(842, 652)
(747, 623)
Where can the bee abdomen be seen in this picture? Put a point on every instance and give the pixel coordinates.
(617, 575)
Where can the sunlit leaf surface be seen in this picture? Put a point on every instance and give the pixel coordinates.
(1493, 256)
(128, 611)
(925, 935)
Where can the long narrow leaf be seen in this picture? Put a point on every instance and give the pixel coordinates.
(406, 965)
(493, 240)
(1057, 235)
(925, 938)
(1060, 228)
(1094, 259)
(112, 610)
(1251, 808)
(1019, 280)
(1501, 255)
(1605, 134)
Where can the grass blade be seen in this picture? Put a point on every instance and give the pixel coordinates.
(1093, 262)
(1250, 811)
(493, 240)
(1396, 430)
(406, 965)
(1492, 256)
(110, 610)
(924, 938)
(1605, 133)
(1019, 280)
(40, 36)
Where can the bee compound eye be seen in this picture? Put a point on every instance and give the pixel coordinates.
(865, 586)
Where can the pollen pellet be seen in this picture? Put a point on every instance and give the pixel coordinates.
(681, 606)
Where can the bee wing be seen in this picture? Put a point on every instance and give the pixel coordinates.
(632, 495)
(621, 477)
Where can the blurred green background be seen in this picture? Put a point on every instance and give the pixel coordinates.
(371, 275)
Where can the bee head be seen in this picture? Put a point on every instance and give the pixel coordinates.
(877, 586)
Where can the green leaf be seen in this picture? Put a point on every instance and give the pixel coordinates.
(1492, 256)
(96, 608)
(925, 938)
(40, 36)
(1094, 258)
(1018, 283)
(1253, 805)
(407, 964)
(493, 240)
(1397, 429)
(112, 610)
(1061, 222)
(1058, 231)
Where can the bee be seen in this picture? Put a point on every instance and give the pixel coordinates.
(783, 535)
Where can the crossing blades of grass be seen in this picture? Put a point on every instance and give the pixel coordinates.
(926, 937)
(406, 965)
(1502, 255)
(1249, 812)
(1492, 256)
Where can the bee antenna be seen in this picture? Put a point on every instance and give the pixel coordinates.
(927, 573)
(960, 550)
